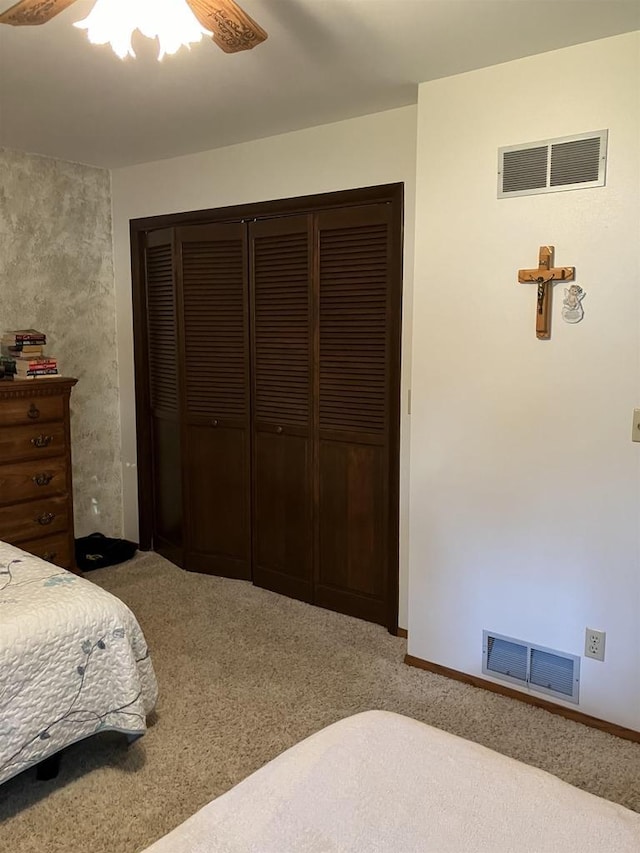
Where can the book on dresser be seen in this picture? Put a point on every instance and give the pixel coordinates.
(32, 368)
(23, 341)
(36, 503)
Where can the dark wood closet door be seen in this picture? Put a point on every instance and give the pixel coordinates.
(357, 410)
(272, 450)
(212, 279)
(282, 321)
(164, 426)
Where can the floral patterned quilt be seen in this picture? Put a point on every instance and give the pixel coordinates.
(73, 661)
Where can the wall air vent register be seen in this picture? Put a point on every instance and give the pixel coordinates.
(566, 163)
(544, 670)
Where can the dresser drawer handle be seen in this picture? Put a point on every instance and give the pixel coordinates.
(42, 479)
(34, 412)
(42, 441)
(50, 556)
(45, 518)
(279, 430)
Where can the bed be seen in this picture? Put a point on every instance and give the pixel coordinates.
(73, 661)
(378, 781)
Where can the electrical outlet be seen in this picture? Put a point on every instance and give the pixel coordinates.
(594, 644)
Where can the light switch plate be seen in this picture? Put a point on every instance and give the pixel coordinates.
(635, 435)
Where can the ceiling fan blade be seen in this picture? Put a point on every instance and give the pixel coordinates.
(233, 30)
(33, 12)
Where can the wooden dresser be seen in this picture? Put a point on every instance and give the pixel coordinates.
(36, 504)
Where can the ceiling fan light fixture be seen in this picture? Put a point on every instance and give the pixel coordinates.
(171, 21)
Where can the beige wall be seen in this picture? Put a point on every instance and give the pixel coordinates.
(366, 151)
(525, 500)
(56, 268)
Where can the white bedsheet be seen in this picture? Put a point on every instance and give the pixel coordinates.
(73, 661)
(382, 782)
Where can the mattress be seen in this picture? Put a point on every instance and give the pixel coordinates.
(73, 662)
(383, 782)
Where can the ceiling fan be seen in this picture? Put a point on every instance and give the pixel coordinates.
(229, 25)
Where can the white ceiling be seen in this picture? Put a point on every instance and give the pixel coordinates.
(324, 60)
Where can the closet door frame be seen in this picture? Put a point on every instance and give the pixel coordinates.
(392, 194)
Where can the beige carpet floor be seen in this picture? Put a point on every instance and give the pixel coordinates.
(243, 675)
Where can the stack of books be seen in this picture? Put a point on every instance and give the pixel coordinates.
(25, 348)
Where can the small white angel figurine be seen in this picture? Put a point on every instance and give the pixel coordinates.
(572, 310)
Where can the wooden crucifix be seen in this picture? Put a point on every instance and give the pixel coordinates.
(544, 277)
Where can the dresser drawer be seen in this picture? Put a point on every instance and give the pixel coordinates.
(31, 410)
(22, 522)
(23, 481)
(53, 549)
(31, 442)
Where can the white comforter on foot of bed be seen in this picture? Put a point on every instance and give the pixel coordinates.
(73, 661)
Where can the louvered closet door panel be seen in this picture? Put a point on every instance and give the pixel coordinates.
(282, 416)
(162, 351)
(355, 308)
(213, 285)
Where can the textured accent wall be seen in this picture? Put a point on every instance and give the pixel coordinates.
(56, 275)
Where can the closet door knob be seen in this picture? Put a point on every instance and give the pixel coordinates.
(279, 430)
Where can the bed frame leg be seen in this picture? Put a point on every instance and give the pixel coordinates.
(49, 768)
